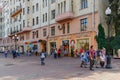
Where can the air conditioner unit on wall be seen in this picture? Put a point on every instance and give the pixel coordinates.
(60, 27)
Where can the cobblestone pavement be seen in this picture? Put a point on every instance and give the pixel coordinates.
(66, 68)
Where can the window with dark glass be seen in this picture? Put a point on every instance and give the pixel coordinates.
(23, 11)
(44, 32)
(37, 34)
(46, 17)
(33, 22)
(53, 14)
(23, 23)
(37, 6)
(84, 4)
(33, 33)
(43, 18)
(33, 9)
(63, 28)
(28, 10)
(52, 1)
(64, 6)
(68, 27)
(53, 30)
(83, 23)
(37, 20)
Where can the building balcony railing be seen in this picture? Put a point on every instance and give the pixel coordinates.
(16, 12)
(65, 16)
(25, 29)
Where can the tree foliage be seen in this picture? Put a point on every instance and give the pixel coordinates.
(115, 16)
(100, 38)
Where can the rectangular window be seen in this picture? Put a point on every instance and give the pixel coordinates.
(23, 11)
(43, 3)
(46, 2)
(53, 14)
(52, 1)
(33, 22)
(84, 4)
(37, 34)
(37, 20)
(46, 17)
(33, 9)
(63, 28)
(68, 27)
(43, 18)
(28, 10)
(61, 7)
(58, 8)
(23, 23)
(64, 6)
(44, 32)
(53, 30)
(37, 6)
(33, 34)
(83, 23)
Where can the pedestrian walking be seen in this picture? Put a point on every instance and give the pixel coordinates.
(55, 53)
(36, 53)
(6, 53)
(42, 56)
(97, 58)
(83, 58)
(102, 59)
(59, 53)
(14, 53)
(72, 52)
(91, 55)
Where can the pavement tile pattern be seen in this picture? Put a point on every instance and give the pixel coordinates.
(66, 68)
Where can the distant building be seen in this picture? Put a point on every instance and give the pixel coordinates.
(46, 24)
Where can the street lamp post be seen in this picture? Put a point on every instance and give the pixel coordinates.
(15, 38)
(108, 61)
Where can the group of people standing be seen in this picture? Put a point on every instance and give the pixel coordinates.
(93, 57)
(15, 53)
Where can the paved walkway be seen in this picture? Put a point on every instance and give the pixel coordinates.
(66, 68)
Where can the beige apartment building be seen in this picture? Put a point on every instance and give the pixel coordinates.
(46, 24)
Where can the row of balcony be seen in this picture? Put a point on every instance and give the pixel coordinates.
(17, 11)
(25, 29)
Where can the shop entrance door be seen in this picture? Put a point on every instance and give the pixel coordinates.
(52, 45)
(65, 45)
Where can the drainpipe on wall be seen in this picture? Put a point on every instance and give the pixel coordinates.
(93, 15)
(93, 22)
(48, 30)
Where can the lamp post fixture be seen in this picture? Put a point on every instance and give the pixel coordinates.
(108, 61)
(15, 38)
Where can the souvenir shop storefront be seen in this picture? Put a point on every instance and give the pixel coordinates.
(32, 46)
(73, 41)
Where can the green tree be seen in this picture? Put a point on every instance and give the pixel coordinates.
(115, 15)
(100, 38)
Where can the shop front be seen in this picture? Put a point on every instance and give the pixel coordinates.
(42, 44)
(32, 46)
(65, 45)
(72, 42)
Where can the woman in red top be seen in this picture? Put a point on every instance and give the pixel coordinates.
(59, 53)
(92, 51)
